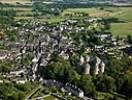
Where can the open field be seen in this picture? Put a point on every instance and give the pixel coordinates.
(121, 29)
(118, 29)
(23, 17)
(89, 11)
(18, 9)
(122, 13)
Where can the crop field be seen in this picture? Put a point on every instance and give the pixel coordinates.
(19, 9)
(22, 11)
(90, 11)
(23, 17)
(122, 29)
(122, 13)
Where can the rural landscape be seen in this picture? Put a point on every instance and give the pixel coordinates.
(65, 49)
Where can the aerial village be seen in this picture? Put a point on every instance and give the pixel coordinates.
(39, 42)
(65, 50)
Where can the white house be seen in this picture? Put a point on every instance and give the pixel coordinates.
(74, 90)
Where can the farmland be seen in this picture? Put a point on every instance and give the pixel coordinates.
(65, 50)
(121, 29)
(122, 13)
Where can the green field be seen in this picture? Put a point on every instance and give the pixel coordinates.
(24, 12)
(122, 13)
(118, 29)
(21, 11)
(90, 11)
(121, 29)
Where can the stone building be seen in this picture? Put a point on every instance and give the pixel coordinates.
(91, 64)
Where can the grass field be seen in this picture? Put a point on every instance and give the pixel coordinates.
(122, 13)
(23, 17)
(118, 29)
(90, 11)
(121, 29)
(21, 11)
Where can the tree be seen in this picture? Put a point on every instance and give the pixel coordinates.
(61, 70)
(87, 85)
(105, 83)
(129, 39)
(117, 66)
(6, 66)
(10, 91)
(126, 88)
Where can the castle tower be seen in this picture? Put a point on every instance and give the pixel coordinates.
(98, 61)
(87, 68)
(102, 65)
(34, 68)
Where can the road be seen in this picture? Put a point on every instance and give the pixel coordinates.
(33, 92)
(39, 98)
(117, 48)
(87, 98)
